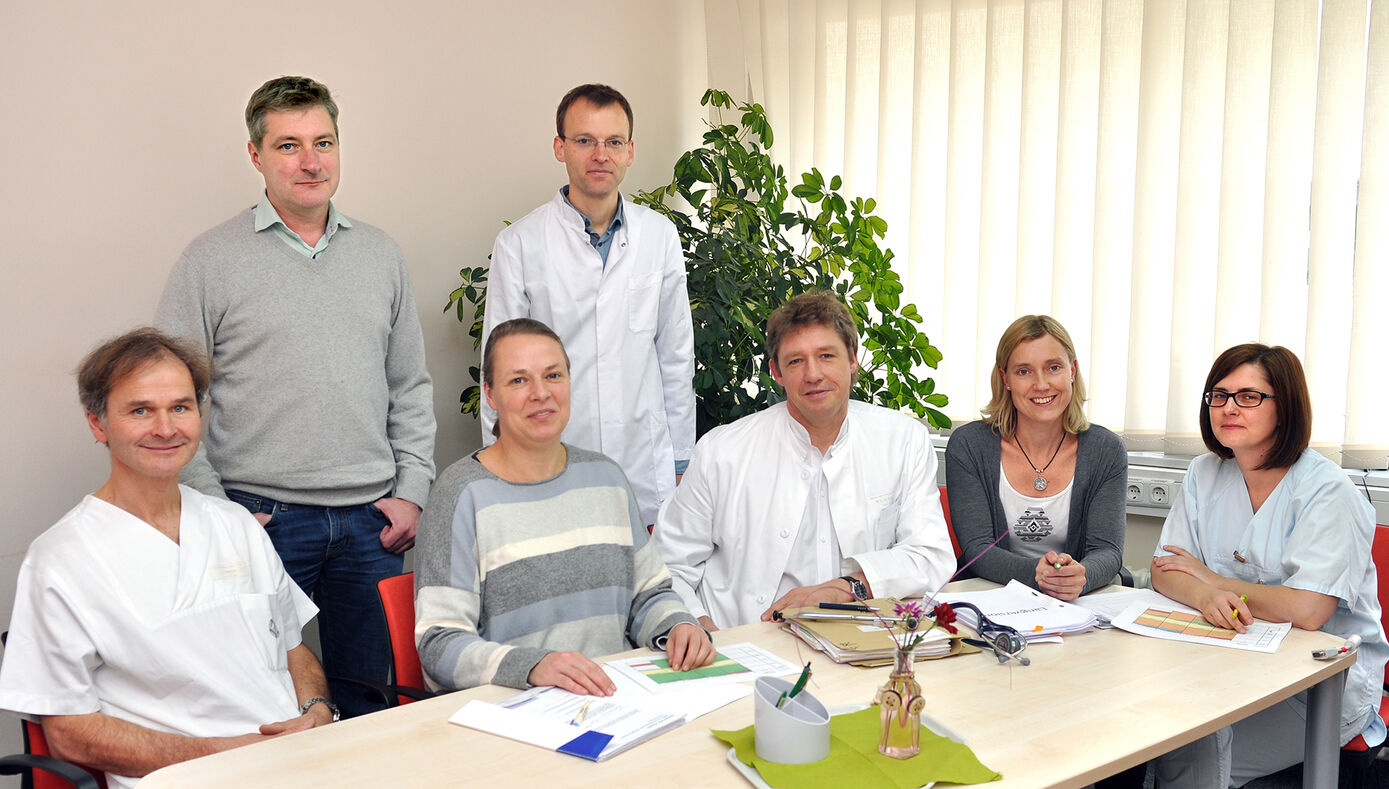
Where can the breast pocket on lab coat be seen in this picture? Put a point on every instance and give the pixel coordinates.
(258, 615)
(884, 513)
(643, 306)
(1256, 570)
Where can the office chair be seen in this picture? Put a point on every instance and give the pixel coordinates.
(398, 604)
(38, 768)
(1357, 758)
(945, 508)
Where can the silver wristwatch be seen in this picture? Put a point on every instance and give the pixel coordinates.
(320, 700)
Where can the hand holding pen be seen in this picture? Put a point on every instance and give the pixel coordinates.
(1060, 576)
(1227, 609)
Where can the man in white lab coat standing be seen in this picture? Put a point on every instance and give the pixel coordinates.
(608, 276)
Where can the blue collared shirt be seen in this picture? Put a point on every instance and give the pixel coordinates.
(604, 242)
(267, 218)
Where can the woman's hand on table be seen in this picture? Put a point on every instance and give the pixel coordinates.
(1225, 609)
(688, 646)
(572, 672)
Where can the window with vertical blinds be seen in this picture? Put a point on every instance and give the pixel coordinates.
(1168, 179)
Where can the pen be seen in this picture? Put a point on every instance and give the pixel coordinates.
(836, 616)
(846, 607)
(1244, 598)
(582, 712)
(796, 688)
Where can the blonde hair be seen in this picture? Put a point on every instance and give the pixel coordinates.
(1000, 412)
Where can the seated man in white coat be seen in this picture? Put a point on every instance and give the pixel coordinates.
(817, 499)
(153, 624)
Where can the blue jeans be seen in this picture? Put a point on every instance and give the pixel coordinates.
(335, 555)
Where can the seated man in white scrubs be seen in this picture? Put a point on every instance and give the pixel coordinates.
(817, 499)
(153, 624)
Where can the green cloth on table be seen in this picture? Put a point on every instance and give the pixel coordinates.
(854, 759)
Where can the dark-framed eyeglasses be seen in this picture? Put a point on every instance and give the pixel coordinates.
(1244, 398)
(586, 143)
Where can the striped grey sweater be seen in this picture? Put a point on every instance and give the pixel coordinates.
(507, 572)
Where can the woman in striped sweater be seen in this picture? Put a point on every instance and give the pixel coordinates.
(532, 555)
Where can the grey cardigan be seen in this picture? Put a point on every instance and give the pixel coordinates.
(1095, 534)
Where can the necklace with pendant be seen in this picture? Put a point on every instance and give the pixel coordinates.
(1040, 483)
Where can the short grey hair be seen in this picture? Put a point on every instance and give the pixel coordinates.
(286, 93)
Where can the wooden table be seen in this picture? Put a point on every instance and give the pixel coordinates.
(1097, 704)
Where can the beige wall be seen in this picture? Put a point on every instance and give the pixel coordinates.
(123, 139)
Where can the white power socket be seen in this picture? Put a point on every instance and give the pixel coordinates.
(1154, 493)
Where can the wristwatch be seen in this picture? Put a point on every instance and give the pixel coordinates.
(856, 587)
(320, 700)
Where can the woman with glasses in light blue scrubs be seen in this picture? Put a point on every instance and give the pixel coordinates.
(1267, 528)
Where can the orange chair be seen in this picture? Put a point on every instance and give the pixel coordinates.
(38, 768)
(945, 507)
(1357, 758)
(398, 603)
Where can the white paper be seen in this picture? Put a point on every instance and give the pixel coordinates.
(1024, 609)
(1109, 605)
(503, 722)
(1258, 637)
(545, 718)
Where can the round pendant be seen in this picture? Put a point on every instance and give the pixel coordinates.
(1039, 483)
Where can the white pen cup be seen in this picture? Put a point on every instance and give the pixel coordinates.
(796, 733)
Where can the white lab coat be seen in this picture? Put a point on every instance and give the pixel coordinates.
(191, 637)
(727, 532)
(626, 327)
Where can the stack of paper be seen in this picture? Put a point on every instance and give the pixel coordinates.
(585, 726)
(1033, 614)
(852, 639)
(650, 700)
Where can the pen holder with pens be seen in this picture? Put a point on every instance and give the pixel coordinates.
(797, 732)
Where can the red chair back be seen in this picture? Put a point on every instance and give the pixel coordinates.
(1379, 550)
(945, 507)
(35, 743)
(398, 602)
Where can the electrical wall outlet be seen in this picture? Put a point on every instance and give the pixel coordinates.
(1152, 495)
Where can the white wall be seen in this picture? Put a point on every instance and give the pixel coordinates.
(123, 138)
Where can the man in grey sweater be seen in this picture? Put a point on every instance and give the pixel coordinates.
(321, 418)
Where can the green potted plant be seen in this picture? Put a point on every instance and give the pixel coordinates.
(750, 244)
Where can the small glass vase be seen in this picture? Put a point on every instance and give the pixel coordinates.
(900, 704)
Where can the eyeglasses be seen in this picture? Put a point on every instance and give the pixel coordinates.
(587, 144)
(1244, 398)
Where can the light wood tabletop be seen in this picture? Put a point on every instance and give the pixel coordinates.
(1087, 708)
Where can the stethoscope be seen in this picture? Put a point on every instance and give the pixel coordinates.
(1006, 643)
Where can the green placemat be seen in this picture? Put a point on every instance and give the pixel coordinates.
(854, 759)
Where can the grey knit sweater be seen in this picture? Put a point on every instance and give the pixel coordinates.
(1095, 535)
(320, 393)
(507, 572)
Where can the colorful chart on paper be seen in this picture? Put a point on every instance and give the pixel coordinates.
(658, 670)
(1179, 622)
(733, 663)
(1146, 619)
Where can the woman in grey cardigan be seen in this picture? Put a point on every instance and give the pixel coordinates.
(1034, 467)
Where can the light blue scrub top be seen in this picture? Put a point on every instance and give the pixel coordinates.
(1314, 533)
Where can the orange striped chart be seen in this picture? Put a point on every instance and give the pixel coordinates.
(1186, 624)
(1148, 618)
